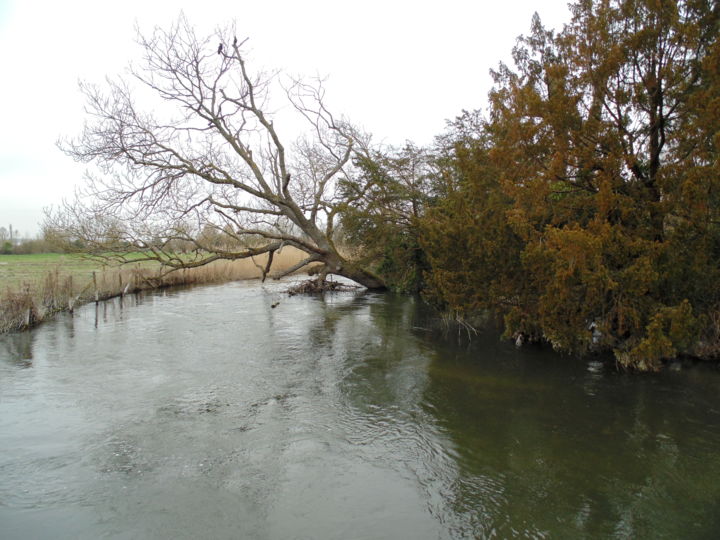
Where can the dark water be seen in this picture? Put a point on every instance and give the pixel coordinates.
(208, 414)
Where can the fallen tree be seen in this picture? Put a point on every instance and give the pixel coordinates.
(200, 172)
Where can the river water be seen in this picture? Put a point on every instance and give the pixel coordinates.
(207, 413)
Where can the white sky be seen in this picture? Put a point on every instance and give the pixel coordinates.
(397, 68)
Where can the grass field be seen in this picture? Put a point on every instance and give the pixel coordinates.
(16, 270)
(32, 287)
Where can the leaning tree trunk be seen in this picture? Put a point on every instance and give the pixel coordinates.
(335, 265)
(363, 277)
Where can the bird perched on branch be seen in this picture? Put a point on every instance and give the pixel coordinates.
(235, 41)
(220, 48)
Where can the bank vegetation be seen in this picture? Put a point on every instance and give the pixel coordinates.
(580, 210)
(55, 287)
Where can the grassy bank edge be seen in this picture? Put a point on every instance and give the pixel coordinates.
(34, 301)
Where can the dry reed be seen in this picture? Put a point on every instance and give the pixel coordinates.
(33, 302)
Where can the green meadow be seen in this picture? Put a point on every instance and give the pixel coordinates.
(17, 271)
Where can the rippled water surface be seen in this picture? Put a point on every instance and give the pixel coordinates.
(207, 413)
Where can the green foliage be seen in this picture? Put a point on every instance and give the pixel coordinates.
(379, 217)
(473, 253)
(671, 331)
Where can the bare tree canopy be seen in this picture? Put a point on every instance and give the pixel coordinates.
(204, 168)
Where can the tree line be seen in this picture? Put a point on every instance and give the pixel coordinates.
(580, 209)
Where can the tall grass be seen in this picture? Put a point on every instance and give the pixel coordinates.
(33, 301)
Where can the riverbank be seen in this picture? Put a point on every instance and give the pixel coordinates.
(33, 288)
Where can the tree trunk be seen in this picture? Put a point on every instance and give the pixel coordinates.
(360, 276)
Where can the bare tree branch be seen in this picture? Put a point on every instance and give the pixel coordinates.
(202, 164)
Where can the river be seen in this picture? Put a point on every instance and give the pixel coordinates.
(207, 413)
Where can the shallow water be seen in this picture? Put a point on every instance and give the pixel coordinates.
(206, 413)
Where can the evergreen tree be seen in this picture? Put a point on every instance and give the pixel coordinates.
(588, 207)
(384, 201)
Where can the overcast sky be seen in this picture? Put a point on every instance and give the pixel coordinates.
(397, 68)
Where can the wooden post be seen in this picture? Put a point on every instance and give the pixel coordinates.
(70, 293)
(97, 298)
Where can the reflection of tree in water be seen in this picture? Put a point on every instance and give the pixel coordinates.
(538, 454)
(362, 338)
(384, 363)
(382, 382)
(16, 348)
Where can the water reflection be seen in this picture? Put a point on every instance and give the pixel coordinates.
(574, 454)
(16, 348)
(209, 413)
